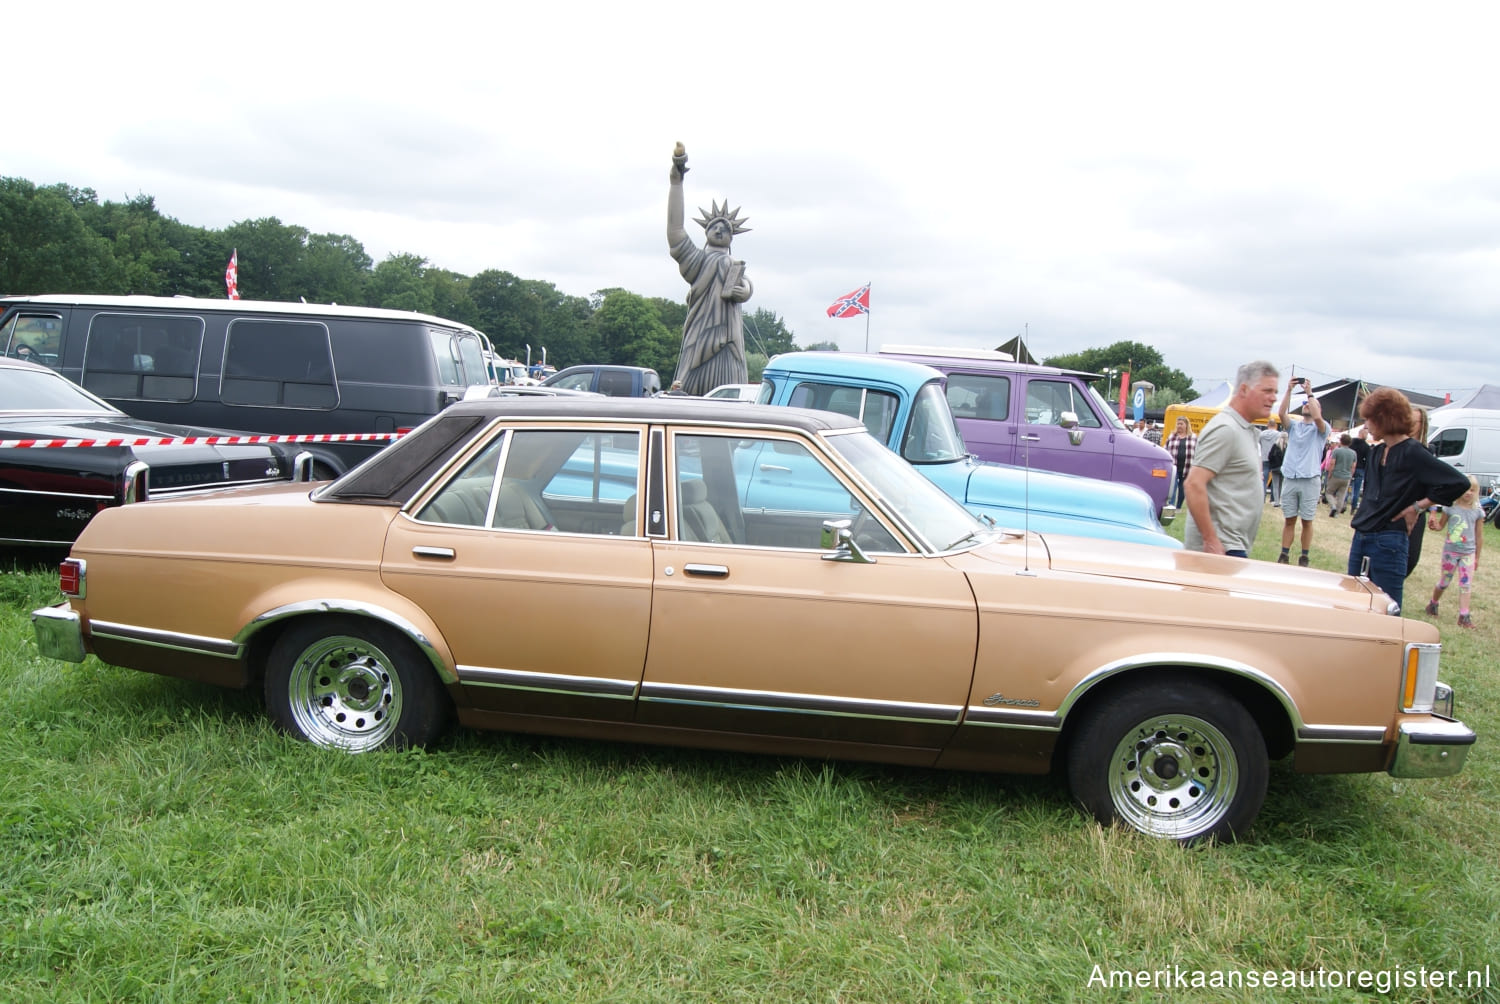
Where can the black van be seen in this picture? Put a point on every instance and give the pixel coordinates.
(256, 366)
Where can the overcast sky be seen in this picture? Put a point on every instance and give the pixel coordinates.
(1313, 183)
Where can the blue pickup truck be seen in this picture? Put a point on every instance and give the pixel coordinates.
(903, 404)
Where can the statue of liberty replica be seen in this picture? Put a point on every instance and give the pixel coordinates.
(713, 339)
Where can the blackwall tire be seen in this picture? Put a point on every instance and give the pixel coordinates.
(354, 685)
(1175, 759)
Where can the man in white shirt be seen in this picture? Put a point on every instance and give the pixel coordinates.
(1301, 469)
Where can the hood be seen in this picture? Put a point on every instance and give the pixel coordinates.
(1054, 494)
(1198, 572)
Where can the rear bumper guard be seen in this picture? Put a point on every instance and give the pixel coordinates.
(59, 633)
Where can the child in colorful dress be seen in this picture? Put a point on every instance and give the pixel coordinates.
(1463, 522)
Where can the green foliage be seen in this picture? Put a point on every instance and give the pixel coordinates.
(767, 334)
(631, 332)
(46, 244)
(1143, 362)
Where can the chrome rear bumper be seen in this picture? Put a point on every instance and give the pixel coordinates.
(59, 633)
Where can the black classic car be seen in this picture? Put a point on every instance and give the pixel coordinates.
(48, 495)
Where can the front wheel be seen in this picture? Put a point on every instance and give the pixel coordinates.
(353, 685)
(1176, 759)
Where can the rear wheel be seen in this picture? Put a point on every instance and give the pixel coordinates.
(354, 685)
(1176, 759)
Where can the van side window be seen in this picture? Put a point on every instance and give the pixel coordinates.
(1046, 400)
(37, 337)
(1450, 442)
(143, 357)
(285, 364)
(974, 396)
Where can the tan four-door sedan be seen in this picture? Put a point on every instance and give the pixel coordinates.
(776, 580)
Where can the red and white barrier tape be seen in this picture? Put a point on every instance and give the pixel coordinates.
(348, 437)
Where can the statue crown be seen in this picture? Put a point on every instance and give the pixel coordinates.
(718, 212)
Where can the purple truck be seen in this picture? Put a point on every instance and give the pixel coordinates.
(1006, 409)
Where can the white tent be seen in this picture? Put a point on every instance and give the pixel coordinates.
(1216, 398)
(1487, 396)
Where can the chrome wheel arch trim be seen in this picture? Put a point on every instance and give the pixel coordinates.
(1183, 660)
(358, 608)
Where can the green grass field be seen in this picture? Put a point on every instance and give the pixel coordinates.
(159, 841)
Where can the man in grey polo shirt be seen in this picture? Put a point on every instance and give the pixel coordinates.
(1301, 469)
(1224, 491)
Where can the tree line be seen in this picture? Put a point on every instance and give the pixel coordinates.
(60, 239)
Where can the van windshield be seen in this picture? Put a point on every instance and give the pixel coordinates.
(1104, 408)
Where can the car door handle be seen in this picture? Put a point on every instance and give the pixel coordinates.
(707, 571)
(776, 467)
(443, 553)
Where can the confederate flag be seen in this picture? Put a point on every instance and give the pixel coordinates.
(852, 304)
(232, 275)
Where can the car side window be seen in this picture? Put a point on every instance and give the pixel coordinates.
(576, 381)
(1046, 400)
(875, 408)
(554, 480)
(763, 493)
(971, 395)
(36, 338)
(616, 383)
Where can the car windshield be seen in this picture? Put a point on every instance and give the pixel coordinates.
(940, 522)
(26, 389)
(931, 435)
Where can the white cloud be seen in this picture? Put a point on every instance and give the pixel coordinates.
(1313, 184)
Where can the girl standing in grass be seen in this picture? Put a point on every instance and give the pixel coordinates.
(1463, 522)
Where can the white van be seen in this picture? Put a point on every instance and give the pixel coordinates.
(1469, 439)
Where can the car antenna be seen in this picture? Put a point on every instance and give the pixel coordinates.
(1028, 439)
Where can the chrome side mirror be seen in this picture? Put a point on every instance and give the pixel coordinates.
(838, 539)
(1070, 422)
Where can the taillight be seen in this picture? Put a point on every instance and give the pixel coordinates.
(72, 578)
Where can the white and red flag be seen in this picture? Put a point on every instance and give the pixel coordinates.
(852, 304)
(232, 275)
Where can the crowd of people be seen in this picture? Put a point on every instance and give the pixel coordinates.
(1384, 476)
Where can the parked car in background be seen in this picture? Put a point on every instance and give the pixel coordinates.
(886, 624)
(49, 494)
(1015, 413)
(736, 392)
(611, 381)
(903, 405)
(261, 366)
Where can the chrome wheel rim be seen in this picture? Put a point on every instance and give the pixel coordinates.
(1173, 776)
(343, 692)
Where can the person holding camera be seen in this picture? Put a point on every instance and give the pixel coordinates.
(1301, 469)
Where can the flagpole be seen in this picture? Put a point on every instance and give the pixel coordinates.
(867, 328)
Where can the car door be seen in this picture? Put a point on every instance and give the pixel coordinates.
(1045, 444)
(777, 642)
(545, 613)
(982, 405)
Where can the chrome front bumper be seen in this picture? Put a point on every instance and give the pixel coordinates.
(1431, 747)
(59, 633)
